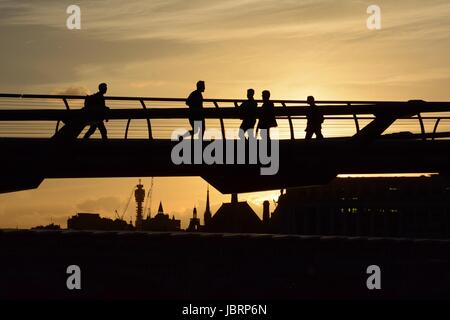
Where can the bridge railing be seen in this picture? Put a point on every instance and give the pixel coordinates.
(31, 115)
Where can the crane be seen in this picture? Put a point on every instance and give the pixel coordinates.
(120, 217)
(148, 201)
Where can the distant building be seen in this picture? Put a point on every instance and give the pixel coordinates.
(235, 217)
(93, 221)
(50, 226)
(381, 206)
(161, 222)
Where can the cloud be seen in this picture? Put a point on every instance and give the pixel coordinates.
(212, 21)
(148, 45)
(42, 54)
(29, 215)
(73, 90)
(108, 204)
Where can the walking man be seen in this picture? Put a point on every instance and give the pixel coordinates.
(315, 120)
(96, 108)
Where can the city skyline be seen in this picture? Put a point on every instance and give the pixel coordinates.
(161, 48)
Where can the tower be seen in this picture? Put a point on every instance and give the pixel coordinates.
(207, 215)
(139, 195)
(194, 223)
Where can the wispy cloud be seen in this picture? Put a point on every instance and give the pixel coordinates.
(109, 204)
(205, 20)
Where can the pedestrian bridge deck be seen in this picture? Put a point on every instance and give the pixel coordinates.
(360, 137)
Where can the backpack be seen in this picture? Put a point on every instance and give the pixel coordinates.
(89, 102)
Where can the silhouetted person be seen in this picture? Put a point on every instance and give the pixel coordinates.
(195, 103)
(96, 108)
(315, 120)
(248, 111)
(267, 118)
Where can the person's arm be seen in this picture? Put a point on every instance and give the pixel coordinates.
(105, 108)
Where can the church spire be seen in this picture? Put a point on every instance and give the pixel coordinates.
(160, 209)
(207, 215)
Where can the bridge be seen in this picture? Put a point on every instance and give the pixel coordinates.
(39, 139)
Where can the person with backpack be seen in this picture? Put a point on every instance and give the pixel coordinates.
(96, 108)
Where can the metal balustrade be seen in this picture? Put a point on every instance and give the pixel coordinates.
(33, 115)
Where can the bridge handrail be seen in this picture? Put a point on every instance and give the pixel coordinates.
(162, 99)
(181, 113)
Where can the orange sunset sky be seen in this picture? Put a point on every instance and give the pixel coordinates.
(161, 48)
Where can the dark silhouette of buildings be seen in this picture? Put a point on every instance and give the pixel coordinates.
(93, 221)
(396, 207)
(161, 222)
(235, 217)
(410, 207)
(50, 226)
(232, 217)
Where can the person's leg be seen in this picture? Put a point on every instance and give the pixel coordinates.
(265, 138)
(241, 132)
(243, 129)
(250, 132)
(195, 127)
(265, 134)
(250, 129)
(103, 131)
(203, 128)
(319, 135)
(90, 132)
(198, 126)
(189, 133)
(308, 135)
